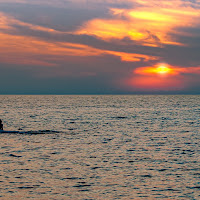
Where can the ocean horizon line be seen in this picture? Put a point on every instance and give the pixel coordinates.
(137, 94)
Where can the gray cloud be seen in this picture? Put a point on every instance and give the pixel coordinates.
(61, 19)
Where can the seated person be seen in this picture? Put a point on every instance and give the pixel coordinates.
(1, 125)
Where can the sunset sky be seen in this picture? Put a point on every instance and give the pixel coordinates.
(100, 47)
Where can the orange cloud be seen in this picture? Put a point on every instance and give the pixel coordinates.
(6, 23)
(192, 70)
(29, 50)
(150, 24)
(132, 57)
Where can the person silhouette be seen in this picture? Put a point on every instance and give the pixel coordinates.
(1, 125)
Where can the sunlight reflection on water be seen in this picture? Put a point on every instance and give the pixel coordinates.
(104, 147)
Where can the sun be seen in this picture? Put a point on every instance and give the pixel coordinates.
(160, 76)
(160, 69)
(163, 70)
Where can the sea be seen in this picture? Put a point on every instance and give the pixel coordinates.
(103, 147)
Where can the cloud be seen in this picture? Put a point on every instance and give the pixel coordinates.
(31, 50)
(150, 24)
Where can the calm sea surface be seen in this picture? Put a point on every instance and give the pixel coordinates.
(100, 147)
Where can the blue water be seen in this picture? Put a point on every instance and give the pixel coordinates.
(100, 147)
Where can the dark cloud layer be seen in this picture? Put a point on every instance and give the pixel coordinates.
(61, 19)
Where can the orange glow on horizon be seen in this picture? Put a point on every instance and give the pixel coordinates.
(160, 77)
(150, 83)
(160, 69)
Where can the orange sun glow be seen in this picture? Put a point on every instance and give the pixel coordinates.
(158, 77)
(163, 70)
(160, 69)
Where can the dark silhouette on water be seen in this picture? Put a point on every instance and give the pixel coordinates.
(1, 125)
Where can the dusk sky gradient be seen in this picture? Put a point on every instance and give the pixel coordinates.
(100, 47)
